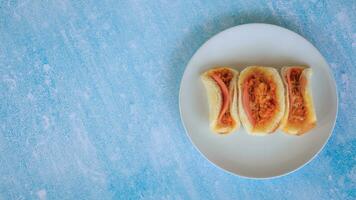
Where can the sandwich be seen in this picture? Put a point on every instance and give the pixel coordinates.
(300, 116)
(220, 84)
(261, 99)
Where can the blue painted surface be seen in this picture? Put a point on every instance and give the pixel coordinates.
(89, 99)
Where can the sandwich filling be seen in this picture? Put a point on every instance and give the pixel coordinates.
(296, 84)
(223, 78)
(259, 98)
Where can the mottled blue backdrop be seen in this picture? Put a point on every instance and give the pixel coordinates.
(89, 99)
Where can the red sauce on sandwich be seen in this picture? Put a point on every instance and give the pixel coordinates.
(296, 83)
(259, 98)
(223, 78)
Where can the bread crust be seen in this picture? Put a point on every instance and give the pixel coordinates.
(274, 121)
(215, 101)
(311, 120)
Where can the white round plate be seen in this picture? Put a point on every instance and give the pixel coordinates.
(239, 153)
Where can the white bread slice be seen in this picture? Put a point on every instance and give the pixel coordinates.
(215, 100)
(310, 121)
(272, 123)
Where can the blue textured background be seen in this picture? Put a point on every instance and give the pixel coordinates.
(89, 99)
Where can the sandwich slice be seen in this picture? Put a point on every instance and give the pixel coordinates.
(220, 84)
(300, 116)
(261, 99)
